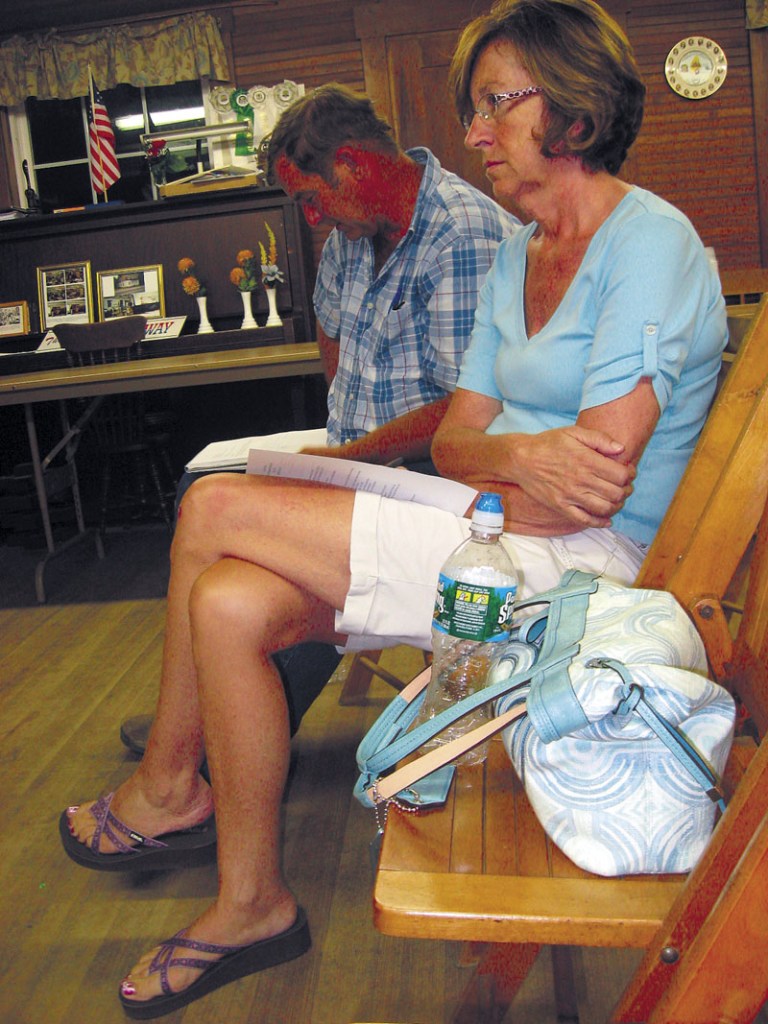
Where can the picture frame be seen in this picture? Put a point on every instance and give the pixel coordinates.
(65, 294)
(130, 291)
(14, 318)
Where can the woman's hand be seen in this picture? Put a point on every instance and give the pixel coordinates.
(575, 471)
(556, 482)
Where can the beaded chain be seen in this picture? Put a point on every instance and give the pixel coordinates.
(381, 815)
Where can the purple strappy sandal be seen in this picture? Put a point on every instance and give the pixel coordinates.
(186, 848)
(236, 962)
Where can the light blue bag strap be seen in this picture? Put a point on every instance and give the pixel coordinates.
(634, 699)
(388, 740)
(553, 708)
(394, 720)
(572, 582)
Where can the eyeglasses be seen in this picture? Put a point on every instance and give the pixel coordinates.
(488, 105)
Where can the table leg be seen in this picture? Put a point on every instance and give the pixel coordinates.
(39, 467)
(502, 969)
(37, 472)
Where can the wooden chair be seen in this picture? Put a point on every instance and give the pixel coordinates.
(364, 665)
(124, 435)
(743, 290)
(483, 871)
(745, 285)
(707, 960)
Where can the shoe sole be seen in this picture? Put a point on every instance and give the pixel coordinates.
(135, 746)
(260, 956)
(191, 848)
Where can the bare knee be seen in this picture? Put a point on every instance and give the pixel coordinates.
(205, 510)
(222, 600)
(235, 601)
(209, 497)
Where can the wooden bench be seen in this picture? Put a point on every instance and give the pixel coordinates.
(482, 870)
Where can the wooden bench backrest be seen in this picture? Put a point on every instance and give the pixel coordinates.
(721, 502)
(744, 284)
(722, 431)
(712, 923)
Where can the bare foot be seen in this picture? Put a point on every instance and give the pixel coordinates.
(144, 813)
(216, 927)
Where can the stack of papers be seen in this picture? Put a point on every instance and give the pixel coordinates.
(400, 484)
(226, 455)
(279, 455)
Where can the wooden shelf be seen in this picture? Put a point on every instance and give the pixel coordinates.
(22, 358)
(210, 229)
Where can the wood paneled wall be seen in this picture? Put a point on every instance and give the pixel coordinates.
(707, 157)
(701, 155)
(311, 44)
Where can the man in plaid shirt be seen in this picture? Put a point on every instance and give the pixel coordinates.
(395, 298)
(399, 275)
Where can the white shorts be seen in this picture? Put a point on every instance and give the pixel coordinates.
(397, 551)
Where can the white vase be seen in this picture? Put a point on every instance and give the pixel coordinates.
(205, 324)
(248, 318)
(273, 320)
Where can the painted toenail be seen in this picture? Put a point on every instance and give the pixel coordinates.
(127, 988)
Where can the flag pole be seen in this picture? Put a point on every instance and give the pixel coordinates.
(98, 137)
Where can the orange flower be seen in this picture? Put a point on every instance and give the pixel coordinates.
(191, 285)
(244, 274)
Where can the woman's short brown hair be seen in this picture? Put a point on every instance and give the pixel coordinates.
(584, 63)
(311, 130)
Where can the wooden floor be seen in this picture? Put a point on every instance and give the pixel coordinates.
(70, 671)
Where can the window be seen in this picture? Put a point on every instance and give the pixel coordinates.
(58, 134)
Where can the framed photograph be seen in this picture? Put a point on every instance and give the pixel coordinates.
(65, 294)
(14, 318)
(131, 291)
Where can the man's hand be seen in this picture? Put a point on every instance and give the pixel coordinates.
(330, 452)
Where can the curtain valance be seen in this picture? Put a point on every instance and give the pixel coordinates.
(54, 64)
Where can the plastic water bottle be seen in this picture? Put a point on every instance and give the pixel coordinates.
(473, 613)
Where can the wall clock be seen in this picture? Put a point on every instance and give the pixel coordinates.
(696, 67)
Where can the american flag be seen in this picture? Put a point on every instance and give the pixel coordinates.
(105, 169)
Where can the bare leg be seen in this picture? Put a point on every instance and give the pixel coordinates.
(237, 612)
(301, 533)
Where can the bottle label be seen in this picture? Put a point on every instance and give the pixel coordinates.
(471, 611)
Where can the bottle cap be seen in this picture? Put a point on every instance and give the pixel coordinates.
(489, 513)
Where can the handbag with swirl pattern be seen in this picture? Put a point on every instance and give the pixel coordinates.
(608, 717)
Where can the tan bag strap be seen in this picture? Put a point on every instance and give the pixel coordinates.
(405, 776)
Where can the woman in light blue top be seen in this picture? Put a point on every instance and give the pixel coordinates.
(600, 328)
(642, 306)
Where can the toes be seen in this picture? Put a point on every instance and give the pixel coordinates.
(141, 968)
(81, 823)
(139, 983)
